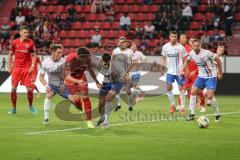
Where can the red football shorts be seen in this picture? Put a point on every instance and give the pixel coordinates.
(190, 81)
(21, 75)
(78, 88)
(34, 76)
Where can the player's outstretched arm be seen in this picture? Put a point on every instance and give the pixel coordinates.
(93, 75)
(219, 64)
(184, 67)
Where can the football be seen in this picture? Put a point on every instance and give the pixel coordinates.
(203, 122)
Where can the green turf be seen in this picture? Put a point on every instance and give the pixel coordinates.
(154, 140)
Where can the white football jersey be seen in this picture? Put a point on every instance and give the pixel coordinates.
(137, 57)
(53, 70)
(205, 62)
(174, 56)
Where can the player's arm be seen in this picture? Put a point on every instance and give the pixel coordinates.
(219, 64)
(34, 57)
(42, 80)
(164, 62)
(184, 67)
(93, 75)
(10, 58)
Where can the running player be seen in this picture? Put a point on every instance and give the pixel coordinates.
(121, 49)
(74, 70)
(192, 73)
(173, 54)
(23, 50)
(207, 77)
(53, 67)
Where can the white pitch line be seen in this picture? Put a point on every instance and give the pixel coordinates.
(116, 124)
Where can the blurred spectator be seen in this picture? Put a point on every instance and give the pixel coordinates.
(216, 36)
(97, 6)
(144, 46)
(125, 22)
(71, 10)
(139, 31)
(5, 29)
(30, 17)
(229, 14)
(20, 18)
(205, 40)
(186, 13)
(149, 31)
(110, 14)
(55, 38)
(173, 21)
(164, 23)
(96, 40)
(107, 4)
(158, 48)
(80, 2)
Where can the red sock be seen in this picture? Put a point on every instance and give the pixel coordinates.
(202, 98)
(14, 99)
(30, 97)
(87, 107)
(78, 104)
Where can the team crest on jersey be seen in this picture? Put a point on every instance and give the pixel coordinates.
(27, 46)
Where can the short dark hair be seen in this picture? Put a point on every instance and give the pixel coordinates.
(221, 44)
(54, 47)
(196, 40)
(106, 57)
(83, 51)
(172, 32)
(24, 27)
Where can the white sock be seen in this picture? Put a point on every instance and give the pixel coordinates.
(215, 107)
(47, 105)
(118, 100)
(132, 97)
(108, 110)
(182, 98)
(171, 97)
(192, 103)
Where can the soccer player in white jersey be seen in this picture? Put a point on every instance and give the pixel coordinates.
(173, 54)
(137, 58)
(53, 67)
(121, 49)
(208, 73)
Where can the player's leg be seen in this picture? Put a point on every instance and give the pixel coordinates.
(170, 79)
(16, 77)
(118, 102)
(198, 84)
(47, 103)
(30, 99)
(211, 84)
(202, 101)
(181, 82)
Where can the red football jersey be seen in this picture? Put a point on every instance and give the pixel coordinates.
(192, 66)
(38, 61)
(76, 67)
(22, 52)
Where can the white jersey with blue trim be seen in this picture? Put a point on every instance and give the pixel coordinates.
(174, 56)
(205, 62)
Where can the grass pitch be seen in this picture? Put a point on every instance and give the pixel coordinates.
(24, 137)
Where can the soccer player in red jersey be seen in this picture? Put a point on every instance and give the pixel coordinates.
(75, 79)
(192, 73)
(35, 73)
(23, 50)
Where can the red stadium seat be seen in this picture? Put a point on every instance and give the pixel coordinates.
(67, 43)
(110, 34)
(194, 25)
(158, 1)
(154, 42)
(121, 33)
(50, 9)
(82, 34)
(115, 25)
(202, 8)
(77, 25)
(139, 1)
(106, 25)
(78, 8)
(154, 8)
(209, 15)
(125, 9)
(60, 9)
(120, 1)
(92, 17)
(76, 42)
(72, 34)
(237, 17)
(86, 25)
(117, 8)
(140, 17)
(101, 17)
(150, 16)
(132, 16)
(90, 33)
(135, 8)
(210, 33)
(87, 9)
(144, 8)
(119, 15)
(198, 17)
(62, 34)
(71, 50)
